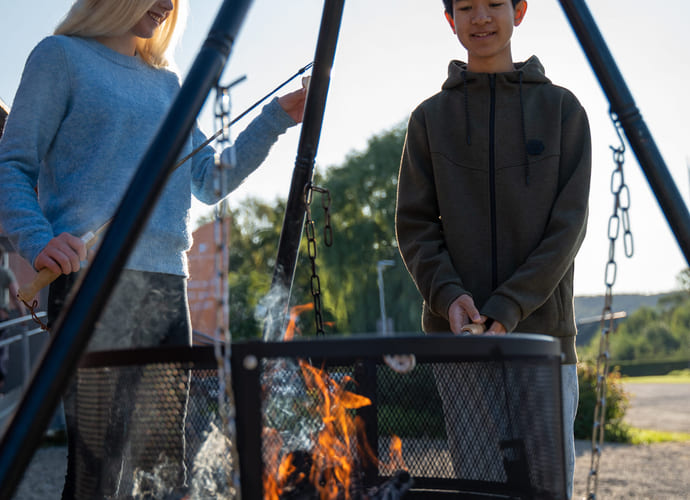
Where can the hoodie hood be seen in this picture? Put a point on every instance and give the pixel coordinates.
(529, 71)
(525, 73)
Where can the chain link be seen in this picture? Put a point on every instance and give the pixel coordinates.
(223, 340)
(620, 215)
(311, 245)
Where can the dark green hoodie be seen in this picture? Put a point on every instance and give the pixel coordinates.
(492, 199)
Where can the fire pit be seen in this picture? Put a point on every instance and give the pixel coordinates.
(503, 441)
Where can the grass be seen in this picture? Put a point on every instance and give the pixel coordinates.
(645, 436)
(675, 377)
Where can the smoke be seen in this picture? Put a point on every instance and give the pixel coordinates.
(212, 471)
(286, 409)
(156, 485)
(272, 311)
(212, 474)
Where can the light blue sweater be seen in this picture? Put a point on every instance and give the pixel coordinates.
(82, 118)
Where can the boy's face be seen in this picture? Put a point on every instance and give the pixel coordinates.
(484, 28)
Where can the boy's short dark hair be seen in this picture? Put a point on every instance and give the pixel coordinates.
(448, 4)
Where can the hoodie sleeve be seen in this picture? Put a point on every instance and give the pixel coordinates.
(418, 224)
(39, 106)
(537, 278)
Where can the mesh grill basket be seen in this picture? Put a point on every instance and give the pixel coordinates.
(132, 408)
(478, 417)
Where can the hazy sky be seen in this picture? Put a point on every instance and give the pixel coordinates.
(393, 54)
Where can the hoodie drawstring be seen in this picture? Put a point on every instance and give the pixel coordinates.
(524, 133)
(468, 137)
(467, 109)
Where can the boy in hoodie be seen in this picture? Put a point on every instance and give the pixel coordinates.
(493, 191)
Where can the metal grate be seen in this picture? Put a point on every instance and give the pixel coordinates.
(149, 426)
(478, 417)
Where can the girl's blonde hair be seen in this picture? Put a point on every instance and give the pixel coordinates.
(96, 18)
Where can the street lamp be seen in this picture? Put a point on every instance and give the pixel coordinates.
(380, 265)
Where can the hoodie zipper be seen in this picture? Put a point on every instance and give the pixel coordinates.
(492, 182)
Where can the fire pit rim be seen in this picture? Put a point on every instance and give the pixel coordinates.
(437, 347)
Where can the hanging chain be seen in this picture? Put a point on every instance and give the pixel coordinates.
(311, 246)
(620, 216)
(221, 231)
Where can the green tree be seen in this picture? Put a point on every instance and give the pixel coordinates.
(363, 191)
(362, 211)
(254, 233)
(680, 326)
(652, 333)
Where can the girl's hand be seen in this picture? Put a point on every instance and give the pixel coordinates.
(293, 104)
(62, 255)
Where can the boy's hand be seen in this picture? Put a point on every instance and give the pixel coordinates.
(496, 328)
(461, 312)
(293, 104)
(62, 255)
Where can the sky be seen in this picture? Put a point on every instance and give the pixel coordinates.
(391, 55)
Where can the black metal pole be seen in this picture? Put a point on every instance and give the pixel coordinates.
(636, 131)
(74, 326)
(293, 221)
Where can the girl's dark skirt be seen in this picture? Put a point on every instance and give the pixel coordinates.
(145, 310)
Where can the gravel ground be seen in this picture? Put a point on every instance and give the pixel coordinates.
(654, 472)
(662, 407)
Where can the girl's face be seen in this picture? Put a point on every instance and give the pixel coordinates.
(155, 16)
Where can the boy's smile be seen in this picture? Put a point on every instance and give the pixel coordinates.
(484, 28)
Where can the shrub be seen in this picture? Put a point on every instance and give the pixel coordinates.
(617, 403)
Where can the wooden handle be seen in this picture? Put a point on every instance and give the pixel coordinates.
(44, 278)
(473, 329)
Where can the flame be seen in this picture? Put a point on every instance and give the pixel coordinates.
(335, 450)
(396, 459)
(295, 311)
(339, 446)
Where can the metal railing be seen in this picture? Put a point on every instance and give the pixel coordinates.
(22, 339)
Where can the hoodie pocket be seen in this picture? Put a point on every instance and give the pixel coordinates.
(548, 319)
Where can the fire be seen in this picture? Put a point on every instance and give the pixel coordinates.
(339, 446)
(396, 458)
(295, 311)
(335, 452)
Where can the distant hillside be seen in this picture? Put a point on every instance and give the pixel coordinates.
(588, 311)
(590, 306)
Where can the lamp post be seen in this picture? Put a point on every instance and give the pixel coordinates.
(380, 265)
